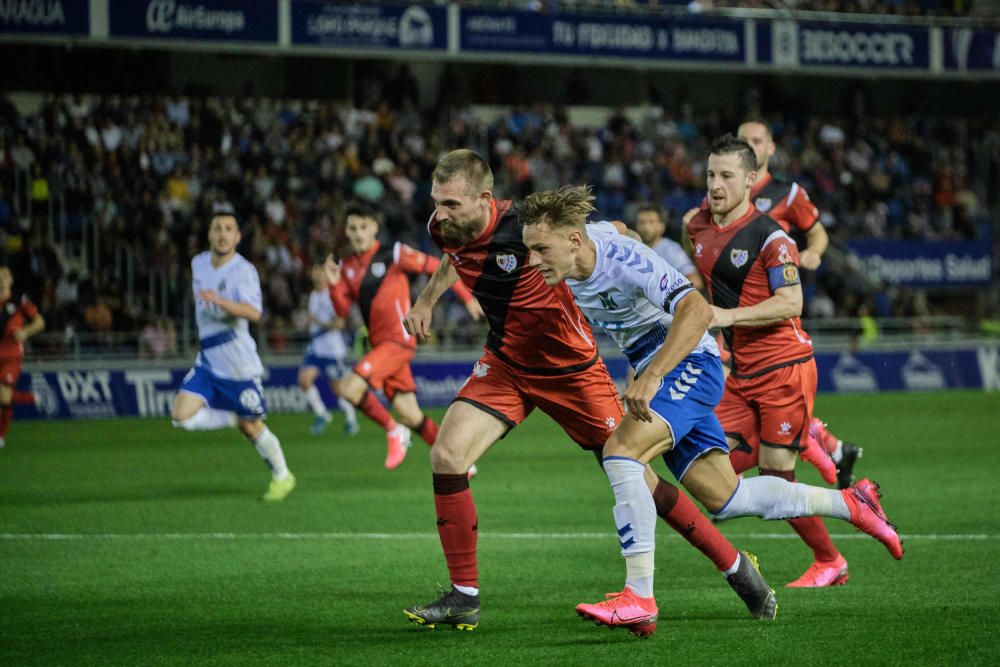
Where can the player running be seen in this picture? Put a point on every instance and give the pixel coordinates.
(750, 268)
(660, 322)
(224, 387)
(326, 354)
(540, 353)
(376, 277)
(19, 321)
(789, 205)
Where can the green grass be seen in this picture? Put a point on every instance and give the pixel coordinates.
(333, 597)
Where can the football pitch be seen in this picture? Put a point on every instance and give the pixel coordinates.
(127, 542)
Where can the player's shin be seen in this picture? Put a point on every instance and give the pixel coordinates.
(681, 514)
(810, 529)
(458, 528)
(770, 497)
(635, 521)
(374, 410)
(428, 430)
(269, 448)
(315, 401)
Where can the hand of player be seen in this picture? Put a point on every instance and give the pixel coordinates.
(721, 318)
(20, 335)
(210, 296)
(418, 321)
(809, 260)
(639, 394)
(687, 216)
(475, 310)
(332, 270)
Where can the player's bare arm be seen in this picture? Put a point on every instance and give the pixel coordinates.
(686, 241)
(785, 303)
(36, 326)
(625, 231)
(418, 320)
(692, 316)
(232, 308)
(817, 241)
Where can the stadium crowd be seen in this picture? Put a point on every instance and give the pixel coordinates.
(143, 173)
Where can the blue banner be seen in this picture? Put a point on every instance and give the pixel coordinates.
(968, 50)
(843, 45)
(926, 263)
(369, 26)
(226, 20)
(711, 40)
(45, 17)
(104, 394)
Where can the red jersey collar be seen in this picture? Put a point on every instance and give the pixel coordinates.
(735, 224)
(760, 185)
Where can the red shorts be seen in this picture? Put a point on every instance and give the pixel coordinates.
(10, 369)
(584, 403)
(387, 367)
(771, 410)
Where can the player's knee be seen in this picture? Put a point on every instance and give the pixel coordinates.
(304, 384)
(447, 456)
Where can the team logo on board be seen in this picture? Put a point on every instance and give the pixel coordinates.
(763, 204)
(738, 257)
(378, 269)
(507, 262)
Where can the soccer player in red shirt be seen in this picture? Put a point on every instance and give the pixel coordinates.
(376, 277)
(19, 321)
(789, 205)
(540, 353)
(750, 267)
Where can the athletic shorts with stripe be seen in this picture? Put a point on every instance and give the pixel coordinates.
(584, 403)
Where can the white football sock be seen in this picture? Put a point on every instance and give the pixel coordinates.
(348, 410)
(774, 498)
(207, 419)
(316, 402)
(269, 448)
(468, 590)
(635, 520)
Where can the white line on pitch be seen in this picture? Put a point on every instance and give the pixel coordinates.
(427, 536)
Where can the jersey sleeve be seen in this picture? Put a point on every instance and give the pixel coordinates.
(781, 260)
(340, 298)
(248, 290)
(657, 280)
(411, 260)
(801, 212)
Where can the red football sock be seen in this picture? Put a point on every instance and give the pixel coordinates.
(428, 430)
(374, 410)
(458, 527)
(811, 528)
(6, 415)
(676, 509)
(744, 457)
(23, 398)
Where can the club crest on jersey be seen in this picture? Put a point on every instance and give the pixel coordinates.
(738, 257)
(378, 269)
(480, 369)
(763, 204)
(507, 262)
(697, 250)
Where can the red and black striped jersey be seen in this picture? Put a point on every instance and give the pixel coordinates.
(533, 327)
(786, 202)
(377, 281)
(743, 264)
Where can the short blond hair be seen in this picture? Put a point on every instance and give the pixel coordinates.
(566, 207)
(467, 164)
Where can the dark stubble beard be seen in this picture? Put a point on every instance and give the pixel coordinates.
(456, 237)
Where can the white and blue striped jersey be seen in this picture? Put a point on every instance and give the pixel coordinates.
(324, 343)
(632, 294)
(227, 349)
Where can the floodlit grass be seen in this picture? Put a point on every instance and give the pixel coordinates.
(127, 542)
